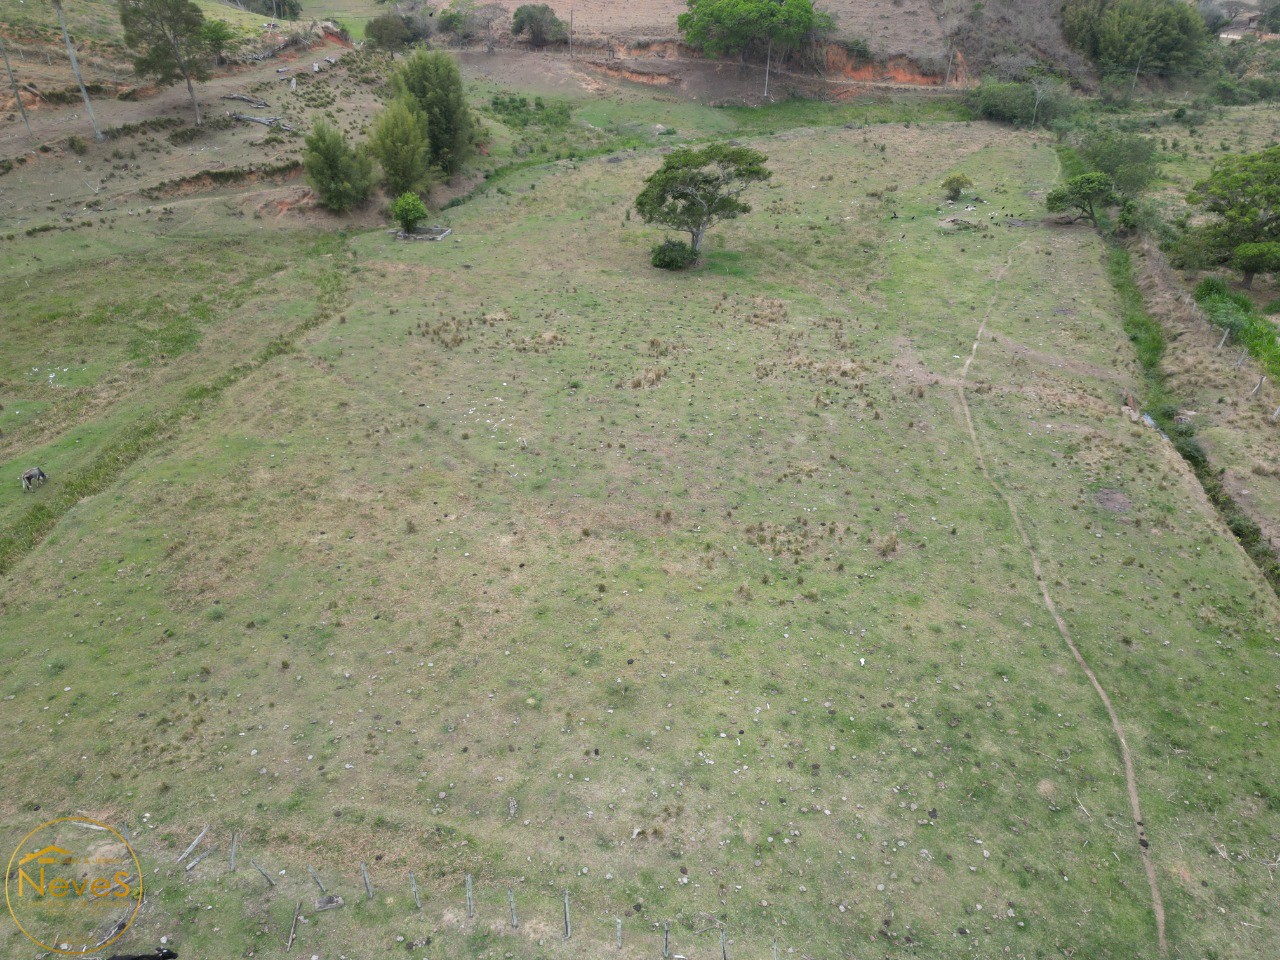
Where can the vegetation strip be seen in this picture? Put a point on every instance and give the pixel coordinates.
(1148, 338)
(145, 435)
(1131, 780)
(1236, 314)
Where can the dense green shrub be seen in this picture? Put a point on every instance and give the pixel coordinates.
(391, 31)
(673, 255)
(341, 176)
(955, 185)
(1254, 258)
(400, 144)
(1154, 37)
(1127, 158)
(540, 22)
(1019, 103)
(408, 210)
(432, 85)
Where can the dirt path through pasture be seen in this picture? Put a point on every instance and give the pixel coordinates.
(1131, 781)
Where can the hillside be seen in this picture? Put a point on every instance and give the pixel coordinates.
(827, 599)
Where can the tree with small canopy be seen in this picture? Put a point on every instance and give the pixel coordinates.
(218, 39)
(402, 148)
(695, 189)
(1085, 196)
(408, 210)
(1243, 190)
(541, 23)
(167, 38)
(340, 175)
(389, 31)
(955, 185)
(432, 84)
(1252, 259)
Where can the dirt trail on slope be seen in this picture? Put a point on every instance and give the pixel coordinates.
(1131, 780)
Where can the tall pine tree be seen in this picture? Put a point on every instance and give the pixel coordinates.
(430, 81)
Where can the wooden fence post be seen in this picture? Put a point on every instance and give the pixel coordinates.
(368, 887)
(471, 903)
(511, 900)
(568, 928)
(234, 838)
(317, 880)
(413, 885)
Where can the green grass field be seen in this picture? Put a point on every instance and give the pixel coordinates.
(512, 556)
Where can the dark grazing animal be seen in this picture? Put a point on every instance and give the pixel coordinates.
(162, 953)
(33, 478)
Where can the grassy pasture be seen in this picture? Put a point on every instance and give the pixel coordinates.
(697, 571)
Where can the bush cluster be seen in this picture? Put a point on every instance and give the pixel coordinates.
(673, 255)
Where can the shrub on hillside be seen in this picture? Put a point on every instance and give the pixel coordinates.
(673, 255)
(1127, 158)
(955, 185)
(541, 23)
(1155, 37)
(391, 31)
(431, 83)
(408, 210)
(399, 142)
(341, 176)
(1020, 103)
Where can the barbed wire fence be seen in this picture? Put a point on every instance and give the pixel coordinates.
(491, 907)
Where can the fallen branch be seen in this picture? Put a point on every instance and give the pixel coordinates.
(251, 101)
(277, 122)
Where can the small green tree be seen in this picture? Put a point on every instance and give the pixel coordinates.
(541, 23)
(1243, 190)
(402, 148)
(218, 39)
(389, 31)
(1086, 196)
(955, 185)
(1127, 158)
(1254, 258)
(342, 177)
(408, 210)
(167, 38)
(695, 189)
(431, 82)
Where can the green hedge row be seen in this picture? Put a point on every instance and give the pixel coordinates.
(1236, 313)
